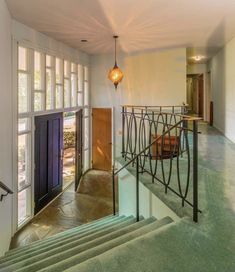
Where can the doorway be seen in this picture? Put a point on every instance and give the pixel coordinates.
(195, 94)
(58, 155)
(48, 158)
(69, 151)
(102, 138)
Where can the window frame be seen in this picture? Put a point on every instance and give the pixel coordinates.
(31, 113)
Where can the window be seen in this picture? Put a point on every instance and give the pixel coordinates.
(39, 90)
(67, 84)
(46, 83)
(80, 86)
(50, 82)
(59, 84)
(23, 81)
(74, 85)
(24, 135)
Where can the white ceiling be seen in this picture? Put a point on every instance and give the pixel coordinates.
(201, 26)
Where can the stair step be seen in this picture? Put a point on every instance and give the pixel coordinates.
(60, 235)
(42, 253)
(78, 254)
(52, 243)
(128, 256)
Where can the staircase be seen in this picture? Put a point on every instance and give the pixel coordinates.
(67, 250)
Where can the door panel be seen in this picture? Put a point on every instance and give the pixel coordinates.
(78, 148)
(48, 160)
(101, 138)
(200, 96)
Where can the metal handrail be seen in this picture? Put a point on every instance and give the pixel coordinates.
(6, 189)
(135, 159)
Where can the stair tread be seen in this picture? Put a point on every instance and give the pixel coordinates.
(127, 256)
(99, 249)
(77, 235)
(43, 263)
(51, 249)
(60, 235)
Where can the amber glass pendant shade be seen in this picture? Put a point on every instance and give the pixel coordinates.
(115, 74)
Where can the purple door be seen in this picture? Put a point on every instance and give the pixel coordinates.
(48, 158)
(78, 148)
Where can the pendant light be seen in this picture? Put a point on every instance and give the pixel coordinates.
(115, 74)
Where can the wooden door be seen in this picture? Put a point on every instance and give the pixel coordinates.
(48, 158)
(101, 138)
(78, 148)
(200, 96)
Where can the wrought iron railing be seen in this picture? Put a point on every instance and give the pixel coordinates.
(6, 189)
(157, 142)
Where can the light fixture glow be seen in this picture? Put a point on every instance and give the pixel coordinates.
(115, 74)
(198, 58)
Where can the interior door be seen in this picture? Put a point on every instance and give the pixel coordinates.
(48, 158)
(78, 148)
(200, 95)
(101, 138)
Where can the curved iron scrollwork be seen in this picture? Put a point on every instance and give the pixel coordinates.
(157, 140)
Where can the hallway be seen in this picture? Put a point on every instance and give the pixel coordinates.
(92, 201)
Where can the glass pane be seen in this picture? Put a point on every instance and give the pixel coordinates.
(86, 94)
(73, 90)
(66, 68)
(80, 99)
(59, 69)
(23, 124)
(49, 90)
(24, 205)
(80, 78)
(86, 73)
(48, 61)
(66, 93)
(23, 93)
(38, 101)
(23, 160)
(37, 71)
(73, 68)
(86, 133)
(22, 58)
(59, 97)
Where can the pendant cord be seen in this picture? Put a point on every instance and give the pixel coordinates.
(115, 51)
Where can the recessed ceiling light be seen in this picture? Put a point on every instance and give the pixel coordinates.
(84, 40)
(198, 58)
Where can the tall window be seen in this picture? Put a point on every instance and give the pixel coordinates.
(46, 84)
(24, 136)
(86, 114)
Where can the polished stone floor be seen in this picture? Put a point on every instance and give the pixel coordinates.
(92, 201)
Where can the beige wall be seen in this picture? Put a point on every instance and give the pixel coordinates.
(153, 78)
(6, 126)
(223, 89)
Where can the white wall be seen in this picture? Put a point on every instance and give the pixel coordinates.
(149, 204)
(223, 89)
(5, 125)
(150, 78)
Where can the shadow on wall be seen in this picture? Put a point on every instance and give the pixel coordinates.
(218, 75)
